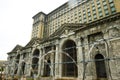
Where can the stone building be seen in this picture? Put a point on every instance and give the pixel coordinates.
(2, 69)
(79, 41)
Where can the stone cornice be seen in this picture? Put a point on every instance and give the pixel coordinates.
(17, 47)
(106, 19)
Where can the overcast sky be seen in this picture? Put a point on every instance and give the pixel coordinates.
(16, 21)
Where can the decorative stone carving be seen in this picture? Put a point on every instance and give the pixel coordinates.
(113, 30)
(67, 33)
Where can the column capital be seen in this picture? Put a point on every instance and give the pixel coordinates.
(57, 44)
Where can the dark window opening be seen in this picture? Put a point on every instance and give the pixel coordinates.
(35, 65)
(100, 66)
(36, 53)
(23, 68)
(69, 68)
(47, 68)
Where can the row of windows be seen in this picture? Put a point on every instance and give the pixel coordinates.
(84, 13)
(74, 18)
(75, 12)
(35, 31)
(63, 11)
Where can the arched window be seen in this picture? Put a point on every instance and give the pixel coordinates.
(69, 68)
(47, 68)
(100, 66)
(35, 62)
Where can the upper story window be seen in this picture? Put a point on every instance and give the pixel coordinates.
(90, 19)
(112, 5)
(103, 0)
(110, 1)
(106, 12)
(89, 14)
(99, 6)
(104, 3)
(95, 16)
(105, 7)
(98, 2)
(113, 9)
(94, 12)
(99, 9)
(100, 14)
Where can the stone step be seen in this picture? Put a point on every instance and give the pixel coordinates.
(50, 78)
(46, 78)
(67, 78)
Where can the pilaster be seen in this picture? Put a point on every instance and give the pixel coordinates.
(112, 68)
(28, 64)
(39, 68)
(79, 58)
(19, 65)
(42, 62)
(57, 61)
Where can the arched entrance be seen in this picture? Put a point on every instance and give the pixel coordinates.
(69, 68)
(47, 68)
(35, 63)
(100, 66)
(23, 67)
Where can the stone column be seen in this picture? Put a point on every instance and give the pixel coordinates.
(26, 61)
(29, 62)
(19, 66)
(42, 62)
(60, 60)
(13, 67)
(57, 61)
(88, 66)
(52, 56)
(112, 65)
(39, 67)
(79, 59)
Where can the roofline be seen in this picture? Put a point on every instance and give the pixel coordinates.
(38, 14)
(58, 8)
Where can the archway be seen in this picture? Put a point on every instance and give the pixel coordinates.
(35, 63)
(100, 66)
(47, 68)
(69, 68)
(36, 53)
(23, 67)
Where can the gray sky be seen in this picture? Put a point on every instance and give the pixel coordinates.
(16, 21)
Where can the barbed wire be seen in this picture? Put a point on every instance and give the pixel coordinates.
(74, 47)
(86, 61)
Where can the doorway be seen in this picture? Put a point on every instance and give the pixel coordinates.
(100, 66)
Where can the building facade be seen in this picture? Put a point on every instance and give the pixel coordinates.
(78, 41)
(2, 69)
